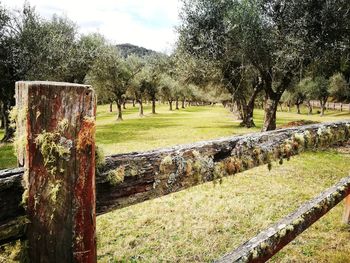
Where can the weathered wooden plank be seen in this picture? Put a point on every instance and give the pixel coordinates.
(151, 174)
(263, 246)
(127, 179)
(57, 142)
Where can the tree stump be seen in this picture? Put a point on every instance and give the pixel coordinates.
(56, 138)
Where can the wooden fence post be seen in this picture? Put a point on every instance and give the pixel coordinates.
(346, 218)
(56, 136)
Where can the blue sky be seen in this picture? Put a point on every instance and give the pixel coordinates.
(147, 23)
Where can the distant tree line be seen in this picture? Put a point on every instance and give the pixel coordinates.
(33, 48)
(241, 53)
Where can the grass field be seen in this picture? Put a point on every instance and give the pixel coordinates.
(206, 221)
(169, 128)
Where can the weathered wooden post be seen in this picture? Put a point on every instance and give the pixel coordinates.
(56, 137)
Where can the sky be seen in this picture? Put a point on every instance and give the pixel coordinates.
(146, 23)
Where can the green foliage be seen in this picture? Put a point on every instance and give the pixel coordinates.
(129, 49)
(109, 74)
(278, 39)
(338, 87)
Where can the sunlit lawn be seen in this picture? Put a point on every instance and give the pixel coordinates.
(168, 128)
(206, 221)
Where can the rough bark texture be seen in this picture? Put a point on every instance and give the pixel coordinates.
(270, 241)
(59, 141)
(143, 176)
(119, 112)
(248, 108)
(110, 106)
(323, 107)
(140, 107)
(270, 114)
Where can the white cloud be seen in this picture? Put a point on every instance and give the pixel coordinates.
(147, 23)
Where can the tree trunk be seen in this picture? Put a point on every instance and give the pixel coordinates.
(119, 111)
(237, 109)
(111, 106)
(298, 108)
(309, 107)
(140, 108)
(133, 103)
(9, 131)
(248, 120)
(271, 104)
(323, 107)
(183, 104)
(170, 105)
(153, 106)
(124, 102)
(248, 108)
(272, 98)
(2, 118)
(177, 104)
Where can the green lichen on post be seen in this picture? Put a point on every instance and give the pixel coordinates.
(54, 146)
(17, 116)
(116, 177)
(25, 182)
(54, 188)
(165, 164)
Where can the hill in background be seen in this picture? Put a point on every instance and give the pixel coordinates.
(128, 49)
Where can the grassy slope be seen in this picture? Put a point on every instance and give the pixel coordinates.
(205, 222)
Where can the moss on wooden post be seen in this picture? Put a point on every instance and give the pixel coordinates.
(58, 149)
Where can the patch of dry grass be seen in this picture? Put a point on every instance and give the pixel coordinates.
(207, 221)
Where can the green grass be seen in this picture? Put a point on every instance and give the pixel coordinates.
(206, 221)
(168, 128)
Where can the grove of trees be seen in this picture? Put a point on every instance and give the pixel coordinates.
(241, 53)
(269, 46)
